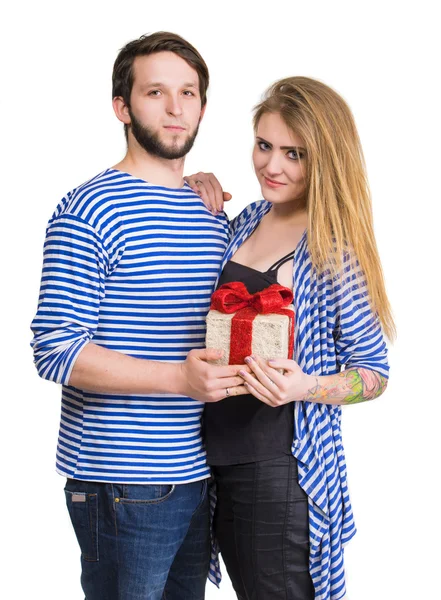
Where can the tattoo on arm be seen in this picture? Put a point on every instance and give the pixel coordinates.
(348, 387)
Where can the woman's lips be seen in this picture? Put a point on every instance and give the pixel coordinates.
(272, 183)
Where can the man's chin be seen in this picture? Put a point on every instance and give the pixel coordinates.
(175, 146)
(174, 154)
(162, 146)
(175, 150)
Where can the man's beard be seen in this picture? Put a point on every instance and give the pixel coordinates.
(149, 140)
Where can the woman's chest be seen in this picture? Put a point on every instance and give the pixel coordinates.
(264, 254)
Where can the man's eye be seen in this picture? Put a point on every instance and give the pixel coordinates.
(188, 93)
(154, 93)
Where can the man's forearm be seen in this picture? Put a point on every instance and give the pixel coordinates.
(101, 370)
(348, 387)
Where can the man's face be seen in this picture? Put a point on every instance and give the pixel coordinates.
(165, 105)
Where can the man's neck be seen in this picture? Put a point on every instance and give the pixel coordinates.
(155, 170)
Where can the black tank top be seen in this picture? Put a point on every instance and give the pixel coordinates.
(243, 429)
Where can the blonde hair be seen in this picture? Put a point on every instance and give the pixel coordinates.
(338, 199)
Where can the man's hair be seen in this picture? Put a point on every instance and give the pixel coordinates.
(161, 41)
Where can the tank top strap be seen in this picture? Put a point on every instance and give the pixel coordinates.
(276, 266)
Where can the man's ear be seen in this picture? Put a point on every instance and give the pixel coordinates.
(121, 110)
(202, 112)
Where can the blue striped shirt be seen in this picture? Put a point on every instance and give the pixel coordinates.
(130, 266)
(334, 329)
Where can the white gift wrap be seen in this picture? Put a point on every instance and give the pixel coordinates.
(270, 338)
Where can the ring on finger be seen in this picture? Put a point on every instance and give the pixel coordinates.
(227, 392)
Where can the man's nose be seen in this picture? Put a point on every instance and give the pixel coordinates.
(174, 106)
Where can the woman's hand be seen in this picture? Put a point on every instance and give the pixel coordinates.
(271, 387)
(210, 190)
(350, 386)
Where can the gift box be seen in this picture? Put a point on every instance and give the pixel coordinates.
(242, 324)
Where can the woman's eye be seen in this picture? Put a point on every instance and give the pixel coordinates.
(263, 146)
(295, 155)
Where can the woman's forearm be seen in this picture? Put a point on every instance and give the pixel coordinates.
(348, 387)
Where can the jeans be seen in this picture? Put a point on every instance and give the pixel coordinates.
(261, 524)
(141, 542)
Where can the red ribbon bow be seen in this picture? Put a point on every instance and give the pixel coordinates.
(235, 298)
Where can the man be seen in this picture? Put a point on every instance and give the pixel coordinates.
(130, 261)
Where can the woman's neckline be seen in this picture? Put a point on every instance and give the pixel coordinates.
(267, 209)
(251, 268)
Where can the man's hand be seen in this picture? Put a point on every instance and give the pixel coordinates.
(210, 383)
(210, 190)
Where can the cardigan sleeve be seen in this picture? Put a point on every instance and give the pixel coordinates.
(359, 339)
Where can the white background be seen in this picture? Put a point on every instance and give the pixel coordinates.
(58, 130)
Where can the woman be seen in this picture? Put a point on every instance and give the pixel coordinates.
(283, 512)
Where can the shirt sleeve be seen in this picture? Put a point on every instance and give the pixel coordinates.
(358, 335)
(75, 265)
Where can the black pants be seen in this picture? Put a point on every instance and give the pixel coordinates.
(261, 523)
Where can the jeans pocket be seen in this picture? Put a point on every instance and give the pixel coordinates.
(83, 511)
(142, 494)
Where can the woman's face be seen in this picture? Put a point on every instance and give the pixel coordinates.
(279, 159)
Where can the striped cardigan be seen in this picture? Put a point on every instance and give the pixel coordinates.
(335, 328)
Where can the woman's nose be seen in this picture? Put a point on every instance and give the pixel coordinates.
(274, 164)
